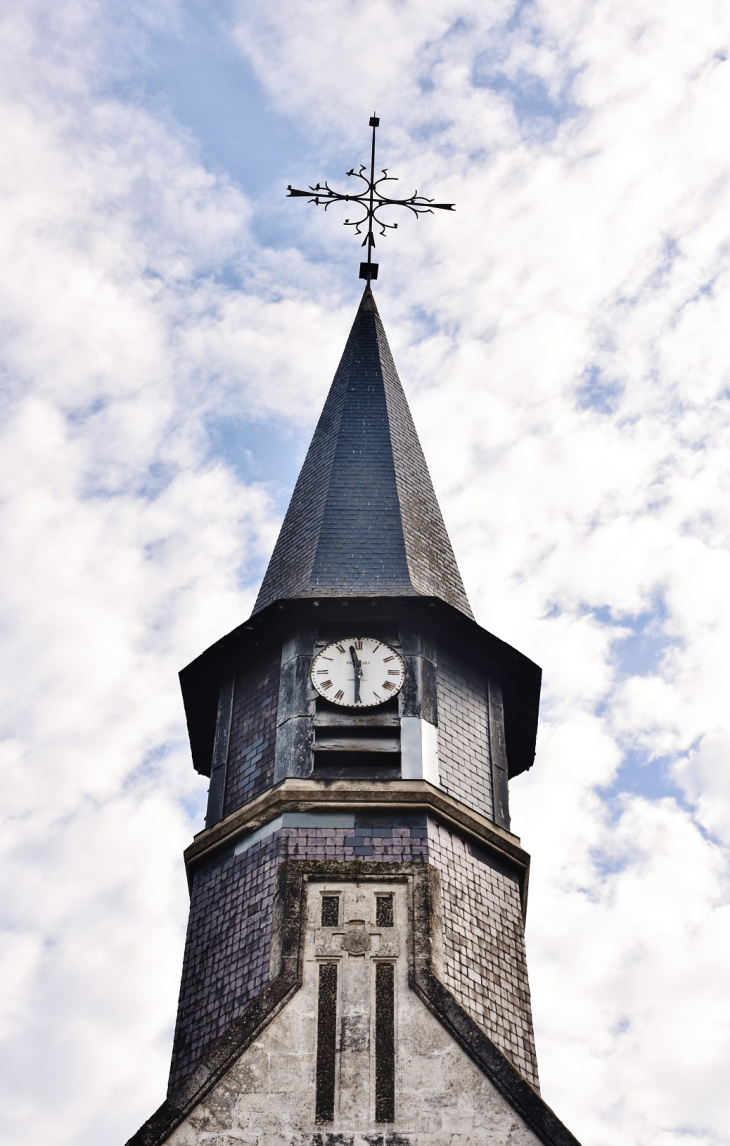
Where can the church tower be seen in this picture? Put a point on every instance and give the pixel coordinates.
(354, 970)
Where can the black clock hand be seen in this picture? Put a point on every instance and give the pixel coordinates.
(358, 674)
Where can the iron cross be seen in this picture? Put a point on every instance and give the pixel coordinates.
(371, 199)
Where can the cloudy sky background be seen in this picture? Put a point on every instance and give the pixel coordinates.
(170, 325)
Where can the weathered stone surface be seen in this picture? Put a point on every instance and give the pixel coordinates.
(360, 886)
(267, 1098)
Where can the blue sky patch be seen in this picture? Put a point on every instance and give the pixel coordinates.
(597, 392)
(640, 652)
(639, 775)
(210, 89)
(267, 452)
(537, 109)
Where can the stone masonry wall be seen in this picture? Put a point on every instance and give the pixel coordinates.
(253, 732)
(483, 947)
(267, 1098)
(463, 732)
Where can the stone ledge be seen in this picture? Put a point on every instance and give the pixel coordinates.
(304, 795)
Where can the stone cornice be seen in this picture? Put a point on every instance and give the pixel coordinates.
(303, 795)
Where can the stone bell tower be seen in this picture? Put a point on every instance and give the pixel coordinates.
(354, 971)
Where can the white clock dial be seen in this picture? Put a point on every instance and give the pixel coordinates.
(358, 672)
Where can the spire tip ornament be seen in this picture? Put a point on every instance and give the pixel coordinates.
(372, 200)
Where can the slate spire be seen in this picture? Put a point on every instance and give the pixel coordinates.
(363, 520)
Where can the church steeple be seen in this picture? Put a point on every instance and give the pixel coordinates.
(363, 520)
(354, 970)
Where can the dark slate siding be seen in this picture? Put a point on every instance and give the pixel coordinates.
(289, 570)
(431, 561)
(463, 731)
(363, 519)
(253, 731)
(227, 950)
(361, 548)
(484, 947)
(374, 838)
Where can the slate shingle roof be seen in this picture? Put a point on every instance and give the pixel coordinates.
(363, 519)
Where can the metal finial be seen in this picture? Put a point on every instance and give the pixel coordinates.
(371, 199)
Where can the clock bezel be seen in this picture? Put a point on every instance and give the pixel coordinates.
(349, 704)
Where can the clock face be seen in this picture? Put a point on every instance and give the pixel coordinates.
(358, 672)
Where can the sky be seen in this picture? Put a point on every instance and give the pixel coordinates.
(170, 326)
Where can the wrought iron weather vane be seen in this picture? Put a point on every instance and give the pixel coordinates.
(371, 199)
